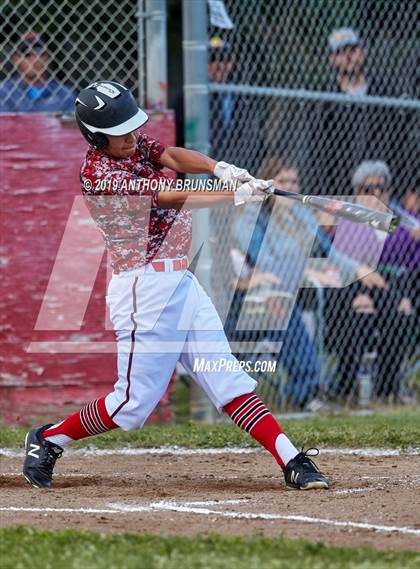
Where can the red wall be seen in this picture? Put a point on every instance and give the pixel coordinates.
(39, 173)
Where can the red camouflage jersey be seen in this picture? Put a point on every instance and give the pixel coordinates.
(135, 229)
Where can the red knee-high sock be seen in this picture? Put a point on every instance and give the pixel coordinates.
(250, 414)
(93, 419)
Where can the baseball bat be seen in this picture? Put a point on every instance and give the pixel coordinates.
(384, 221)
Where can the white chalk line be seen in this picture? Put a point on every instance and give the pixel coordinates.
(373, 452)
(186, 509)
(83, 475)
(184, 451)
(118, 475)
(215, 502)
(130, 508)
(67, 510)
(412, 476)
(306, 519)
(177, 451)
(406, 480)
(354, 490)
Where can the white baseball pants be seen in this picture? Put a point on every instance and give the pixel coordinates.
(160, 318)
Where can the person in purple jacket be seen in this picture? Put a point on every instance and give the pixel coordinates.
(401, 250)
(384, 318)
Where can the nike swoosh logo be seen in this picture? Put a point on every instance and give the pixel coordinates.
(100, 103)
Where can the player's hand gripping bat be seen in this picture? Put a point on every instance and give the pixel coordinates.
(385, 221)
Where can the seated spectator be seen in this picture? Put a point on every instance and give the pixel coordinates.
(379, 318)
(283, 257)
(281, 263)
(401, 249)
(409, 211)
(344, 267)
(411, 204)
(31, 89)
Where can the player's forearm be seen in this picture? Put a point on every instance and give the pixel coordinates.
(187, 161)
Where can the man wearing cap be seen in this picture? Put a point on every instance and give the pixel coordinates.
(31, 89)
(348, 58)
(344, 133)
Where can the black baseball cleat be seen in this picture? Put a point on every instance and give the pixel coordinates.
(40, 458)
(301, 473)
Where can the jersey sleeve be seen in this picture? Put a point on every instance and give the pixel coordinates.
(151, 149)
(120, 183)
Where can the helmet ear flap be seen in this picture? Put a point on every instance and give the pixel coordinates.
(99, 140)
(96, 139)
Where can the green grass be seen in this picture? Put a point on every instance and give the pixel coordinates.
(23, 548)
(396, 429)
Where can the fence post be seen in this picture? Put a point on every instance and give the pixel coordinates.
(141, 58)
(196, 101)
(157, 60)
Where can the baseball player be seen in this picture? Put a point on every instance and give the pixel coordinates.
(159, 310)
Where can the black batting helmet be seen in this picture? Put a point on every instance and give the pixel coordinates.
(106, 107)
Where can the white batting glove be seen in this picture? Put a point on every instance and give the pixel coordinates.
(229, 172)
(252, 191)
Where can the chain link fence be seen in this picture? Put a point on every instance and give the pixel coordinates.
(323, 97)
(49, 50)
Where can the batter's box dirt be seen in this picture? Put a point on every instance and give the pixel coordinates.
(371, 501)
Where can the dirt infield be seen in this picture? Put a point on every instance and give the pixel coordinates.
(372, 500)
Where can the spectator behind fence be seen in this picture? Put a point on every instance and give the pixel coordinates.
(281, 261)
(31, 89)
(234, 122)
(342, 134)
(298, 224)
(401, 250)
(409, 211)
(381, 318)
(348, 268)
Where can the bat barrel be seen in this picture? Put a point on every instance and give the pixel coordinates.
(394, 223)
(384, 221)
